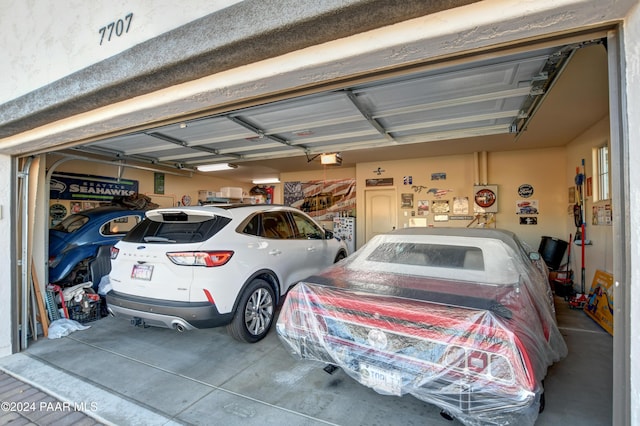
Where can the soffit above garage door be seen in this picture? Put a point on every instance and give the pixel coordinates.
(489, 97)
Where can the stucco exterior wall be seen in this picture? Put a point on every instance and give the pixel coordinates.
(66, 67)
(42, 50)
(6, 258)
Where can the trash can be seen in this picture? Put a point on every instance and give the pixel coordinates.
(552, 251)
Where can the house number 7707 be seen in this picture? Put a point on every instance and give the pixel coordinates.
(117, 28)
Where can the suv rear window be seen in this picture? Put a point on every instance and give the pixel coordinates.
(176, 230)
(436, 255)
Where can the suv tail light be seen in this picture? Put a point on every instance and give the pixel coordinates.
(114, 252)
(200, 258)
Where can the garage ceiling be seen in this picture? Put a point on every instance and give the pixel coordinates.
(490, 98)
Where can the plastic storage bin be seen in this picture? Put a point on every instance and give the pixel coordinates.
(84, 314)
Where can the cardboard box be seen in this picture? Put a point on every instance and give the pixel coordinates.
(231, 192)
(203, 195)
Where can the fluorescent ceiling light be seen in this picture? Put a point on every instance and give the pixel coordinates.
(216, 167)
(333, 158)
(265, 181)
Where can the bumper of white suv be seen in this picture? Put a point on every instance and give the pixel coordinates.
(166, 313)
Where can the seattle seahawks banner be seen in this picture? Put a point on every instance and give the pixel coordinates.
(72, 186)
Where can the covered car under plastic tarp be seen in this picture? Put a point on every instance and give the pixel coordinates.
(460, 318)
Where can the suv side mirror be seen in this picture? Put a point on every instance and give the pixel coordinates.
(328, 235)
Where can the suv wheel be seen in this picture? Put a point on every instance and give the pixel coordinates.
(255, 312)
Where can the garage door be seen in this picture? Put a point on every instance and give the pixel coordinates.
(491, 96)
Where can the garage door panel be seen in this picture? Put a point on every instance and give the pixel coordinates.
(287, 116)
(199, 132)
(465, 113)
(138, 143)
(329, 135)
(445, 101)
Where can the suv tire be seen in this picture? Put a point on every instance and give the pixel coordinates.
(255, 313)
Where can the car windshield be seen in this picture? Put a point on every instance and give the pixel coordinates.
(71, 223)
(176, 229)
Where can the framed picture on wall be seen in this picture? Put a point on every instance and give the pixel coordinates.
(406, 201)
(75, 206)
(417, 222)
(440, 206)
(461, 205)
(529, 220)
(158, 183)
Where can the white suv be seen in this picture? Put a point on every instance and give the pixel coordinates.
(208, 266)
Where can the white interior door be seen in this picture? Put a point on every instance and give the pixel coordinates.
(381, 212)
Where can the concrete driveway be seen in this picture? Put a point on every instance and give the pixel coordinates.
(128, 375)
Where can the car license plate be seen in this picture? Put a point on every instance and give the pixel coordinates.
(142, 272)
(380, 379)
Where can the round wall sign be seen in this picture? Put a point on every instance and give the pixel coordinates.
(57, 211)
(186, 200)
(485, 198)
(525, 190)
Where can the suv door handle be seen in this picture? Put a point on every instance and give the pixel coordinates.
(312, 248)
(275, 252)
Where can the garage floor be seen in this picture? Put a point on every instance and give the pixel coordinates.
(126, 375)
